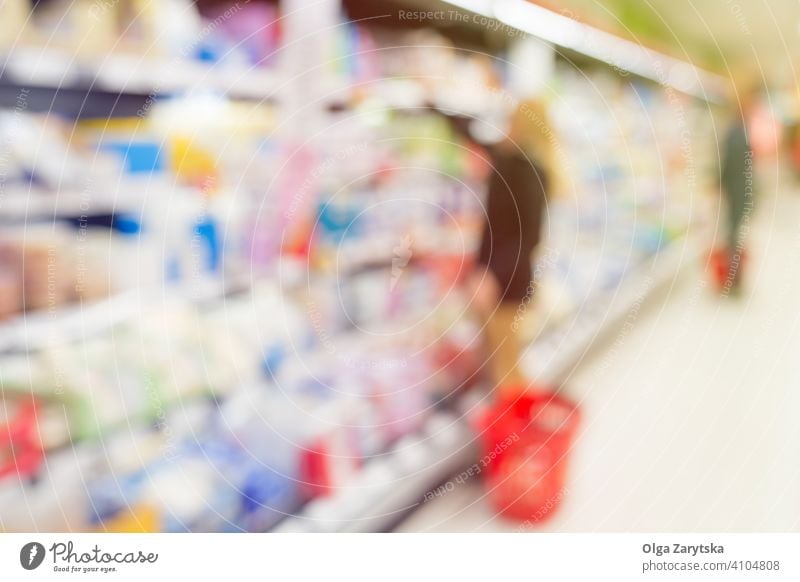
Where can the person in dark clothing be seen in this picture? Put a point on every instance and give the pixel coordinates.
(736, 181)
(523, 173)
(512, 230)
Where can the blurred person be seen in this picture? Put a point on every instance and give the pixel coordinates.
(736, 183)
(523, 173)
(792, 141)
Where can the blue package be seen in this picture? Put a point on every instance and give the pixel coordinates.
(274, 357)
(139, 157)
(206, 231)
(127, 224)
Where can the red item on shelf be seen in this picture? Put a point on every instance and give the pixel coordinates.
(20, 446)
(325, 465)
(526, 440)
(315, 470)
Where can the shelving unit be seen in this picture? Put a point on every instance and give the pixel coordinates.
(132, 74)
(555, 353)
(390, 484)
(37, 330)
(394, 485)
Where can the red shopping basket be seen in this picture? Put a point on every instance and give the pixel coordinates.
(724, 271)
(526, 442)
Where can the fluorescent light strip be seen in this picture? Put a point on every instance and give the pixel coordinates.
(545, 24)
(482, 7)
(618, 52)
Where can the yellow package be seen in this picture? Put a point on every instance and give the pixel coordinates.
(137, 519)
(193, 164)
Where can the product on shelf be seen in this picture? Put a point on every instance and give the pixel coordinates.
(336, 323)
(252, 30)
(243, 412)
(232, 37)
(633, 189)
(42, 263)
(20, 447)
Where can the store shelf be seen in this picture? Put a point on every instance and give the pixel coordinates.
(392, 485)
(130, 74)
(26, 206)
(382, 250)
(243, 355)
(37, 330)
(556, 351)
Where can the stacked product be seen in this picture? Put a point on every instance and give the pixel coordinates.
(213, 420)
(233, 36)
(222, 412)
(632, 191)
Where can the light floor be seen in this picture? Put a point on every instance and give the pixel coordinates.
(693, 422)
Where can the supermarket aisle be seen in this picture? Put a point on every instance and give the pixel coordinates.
(693, 423)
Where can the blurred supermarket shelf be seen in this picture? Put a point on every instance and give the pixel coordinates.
(30, 204)
(390, 485)
(559, 349)
(23, 202)
(382, 250)
(130, 74)
(40, 329)
(145, 79)
(143, 75)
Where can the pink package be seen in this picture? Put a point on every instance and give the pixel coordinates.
(253, 27)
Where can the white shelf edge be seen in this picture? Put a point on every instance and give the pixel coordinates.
(72, 322)
(134, 74)
(444, 451)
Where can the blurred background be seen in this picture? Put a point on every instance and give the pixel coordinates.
(236, 241)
